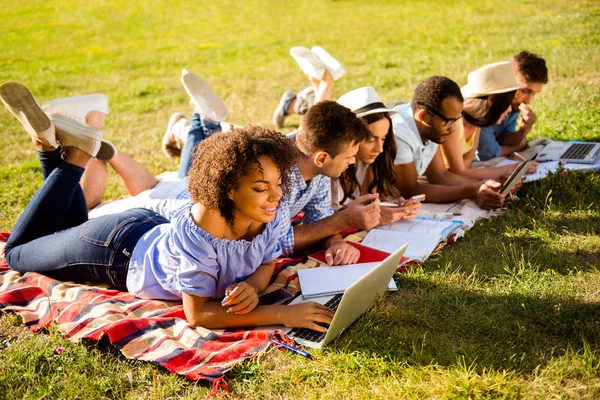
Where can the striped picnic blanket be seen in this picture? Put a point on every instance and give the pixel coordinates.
(149, 330)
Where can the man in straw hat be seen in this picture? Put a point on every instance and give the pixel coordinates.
(419, 128)
(510, 136)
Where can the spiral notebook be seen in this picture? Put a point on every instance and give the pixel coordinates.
(327, 281)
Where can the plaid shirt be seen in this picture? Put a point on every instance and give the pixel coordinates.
(314, 199)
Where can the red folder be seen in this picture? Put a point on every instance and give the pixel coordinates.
(367, 254)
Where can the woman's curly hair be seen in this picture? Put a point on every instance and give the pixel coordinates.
(222, 159)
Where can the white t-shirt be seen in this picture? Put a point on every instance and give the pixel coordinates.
(409, 143)
(165, 198)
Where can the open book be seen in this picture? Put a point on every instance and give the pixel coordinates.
(425, 227)
(419, 246)
(326, 281)
(422, 235)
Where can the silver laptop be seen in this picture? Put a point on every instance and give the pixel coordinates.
(349, 305)
(575, 152)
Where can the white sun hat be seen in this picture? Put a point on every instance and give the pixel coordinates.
(491, 79)
(364, 101)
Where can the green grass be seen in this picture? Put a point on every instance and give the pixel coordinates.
(511, 311)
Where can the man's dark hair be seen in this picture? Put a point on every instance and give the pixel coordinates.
(433, 91)
(484, 111)
(530, 66)
(222, 160)
(329, 126)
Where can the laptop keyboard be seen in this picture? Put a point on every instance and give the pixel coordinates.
(578, 151)
(314, 336)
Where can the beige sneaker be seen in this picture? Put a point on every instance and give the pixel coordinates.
(77, 107)
(279, 113)
(172, 141)
(72, 132)
(206, 102)
(25, 108)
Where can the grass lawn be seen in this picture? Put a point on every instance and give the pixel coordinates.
(511, 311)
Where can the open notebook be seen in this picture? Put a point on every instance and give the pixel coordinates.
(425, 226)
(422, 235)
(419, 246)
(327, 281)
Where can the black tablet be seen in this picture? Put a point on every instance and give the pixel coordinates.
(516, 175)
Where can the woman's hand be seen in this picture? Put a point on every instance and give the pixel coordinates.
(306, 315)
(390, 215)
(341, 253)
(241, 298)
(533, 167)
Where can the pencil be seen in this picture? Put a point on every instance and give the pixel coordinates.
(519, 156)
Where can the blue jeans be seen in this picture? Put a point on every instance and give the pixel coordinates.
(489, 146)
(53, 235)
(200, 129)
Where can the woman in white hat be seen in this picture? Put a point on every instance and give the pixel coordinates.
(488, 96)
(373, 170)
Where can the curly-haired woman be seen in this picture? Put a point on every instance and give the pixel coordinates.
(220, 246)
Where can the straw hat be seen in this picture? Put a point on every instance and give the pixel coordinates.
(491, 79)
(364, 101)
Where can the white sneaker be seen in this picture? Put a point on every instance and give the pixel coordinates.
(173, 139)
(308, 62)
(279, 115)
(204, 99)
(68, 114)
(333, 65)
(77, 107)
(25, 108)
(72, 132)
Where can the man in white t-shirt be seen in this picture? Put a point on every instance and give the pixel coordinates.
(419, 128)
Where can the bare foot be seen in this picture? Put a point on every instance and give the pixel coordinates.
(76, 156)
(95, 119)
(42, 147)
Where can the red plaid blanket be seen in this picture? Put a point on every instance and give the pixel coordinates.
(149, 330)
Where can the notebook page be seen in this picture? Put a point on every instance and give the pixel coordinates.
(419, 246)
(324, 281)
(469, 211)
(424, 226)
(506, 161)
(542, 171)
(576, 166)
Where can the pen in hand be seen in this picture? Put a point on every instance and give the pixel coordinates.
(520, 157)
(293, 349)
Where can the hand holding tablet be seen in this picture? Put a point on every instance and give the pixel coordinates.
(516, 176)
